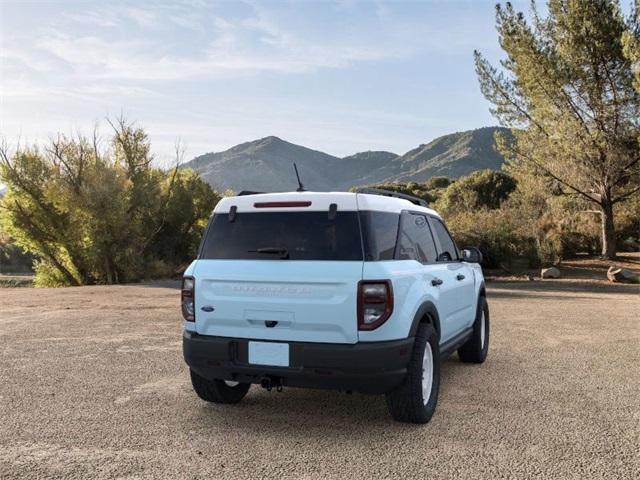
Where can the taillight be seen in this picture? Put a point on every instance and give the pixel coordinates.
(188, 299)
(375, 303)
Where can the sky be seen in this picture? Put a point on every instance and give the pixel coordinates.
(341, 77)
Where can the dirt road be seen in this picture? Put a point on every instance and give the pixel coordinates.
(93, 385)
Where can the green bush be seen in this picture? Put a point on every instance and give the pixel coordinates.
(628, 224)
(92, 217)
(47, 275)
(437, 183)
(12, 258)
(497, 237)
(484, 188)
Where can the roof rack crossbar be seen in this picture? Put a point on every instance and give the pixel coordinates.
(390, 193)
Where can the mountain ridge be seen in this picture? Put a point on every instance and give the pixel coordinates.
(265, 164)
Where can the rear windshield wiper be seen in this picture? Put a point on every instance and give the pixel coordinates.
(283, 252)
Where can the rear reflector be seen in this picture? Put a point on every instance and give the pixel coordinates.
(281, 204)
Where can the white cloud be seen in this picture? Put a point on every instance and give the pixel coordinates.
(142, 17)
(100, 17)
(249, 45)
(171, 62)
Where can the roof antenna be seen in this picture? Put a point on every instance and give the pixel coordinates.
(300, 186)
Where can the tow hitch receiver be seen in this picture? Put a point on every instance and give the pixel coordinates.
(270, 383)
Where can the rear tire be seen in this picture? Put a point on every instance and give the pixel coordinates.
(414, 401)
(218, 391)
(476, 348)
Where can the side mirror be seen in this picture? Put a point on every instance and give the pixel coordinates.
(472, 255)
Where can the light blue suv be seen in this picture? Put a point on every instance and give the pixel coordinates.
(361, 291)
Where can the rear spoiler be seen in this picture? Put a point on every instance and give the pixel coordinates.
(249, 192)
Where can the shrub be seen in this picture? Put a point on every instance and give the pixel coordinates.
(484, 188)
(12, 258)
(92, 216)
(497, 237)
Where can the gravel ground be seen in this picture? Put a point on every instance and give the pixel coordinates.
(93, 385)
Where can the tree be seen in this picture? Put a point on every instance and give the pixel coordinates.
(92, 215)
(566, 89)
(631, 41)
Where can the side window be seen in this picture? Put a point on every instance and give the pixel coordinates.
(448, 250)
(415, 241)
(379, 234)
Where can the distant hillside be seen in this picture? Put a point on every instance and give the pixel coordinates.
(357, 169)
(265, 164)
(453, 155)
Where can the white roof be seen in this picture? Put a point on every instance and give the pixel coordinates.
(319, 201)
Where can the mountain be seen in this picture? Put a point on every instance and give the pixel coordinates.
(356, 169)
(453, 155)
(265, 164)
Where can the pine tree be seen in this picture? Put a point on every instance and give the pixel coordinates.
(566, 88)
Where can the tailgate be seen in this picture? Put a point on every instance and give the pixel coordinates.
(301, 301)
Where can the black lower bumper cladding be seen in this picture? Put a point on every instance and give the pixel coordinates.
(371, 367)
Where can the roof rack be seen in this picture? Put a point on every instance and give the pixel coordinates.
(248, 192)
(389, 193)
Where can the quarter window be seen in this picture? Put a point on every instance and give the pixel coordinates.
(415, 241)
(379, 233)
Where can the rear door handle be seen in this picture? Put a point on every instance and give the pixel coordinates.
(460, 277)
(436, 281)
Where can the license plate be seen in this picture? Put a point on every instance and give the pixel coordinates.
(269, 353)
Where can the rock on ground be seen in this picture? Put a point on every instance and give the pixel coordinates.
(621, 275)
(551, 272)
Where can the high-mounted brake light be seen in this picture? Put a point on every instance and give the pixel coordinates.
(375, 303)
(281, 204)
(188, 299)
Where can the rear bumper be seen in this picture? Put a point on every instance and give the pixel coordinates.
(375, 367)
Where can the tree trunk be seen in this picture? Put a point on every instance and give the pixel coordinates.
(107, 271)
(61, 268)
(608, 230)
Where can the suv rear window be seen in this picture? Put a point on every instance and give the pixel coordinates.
(276, 235)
